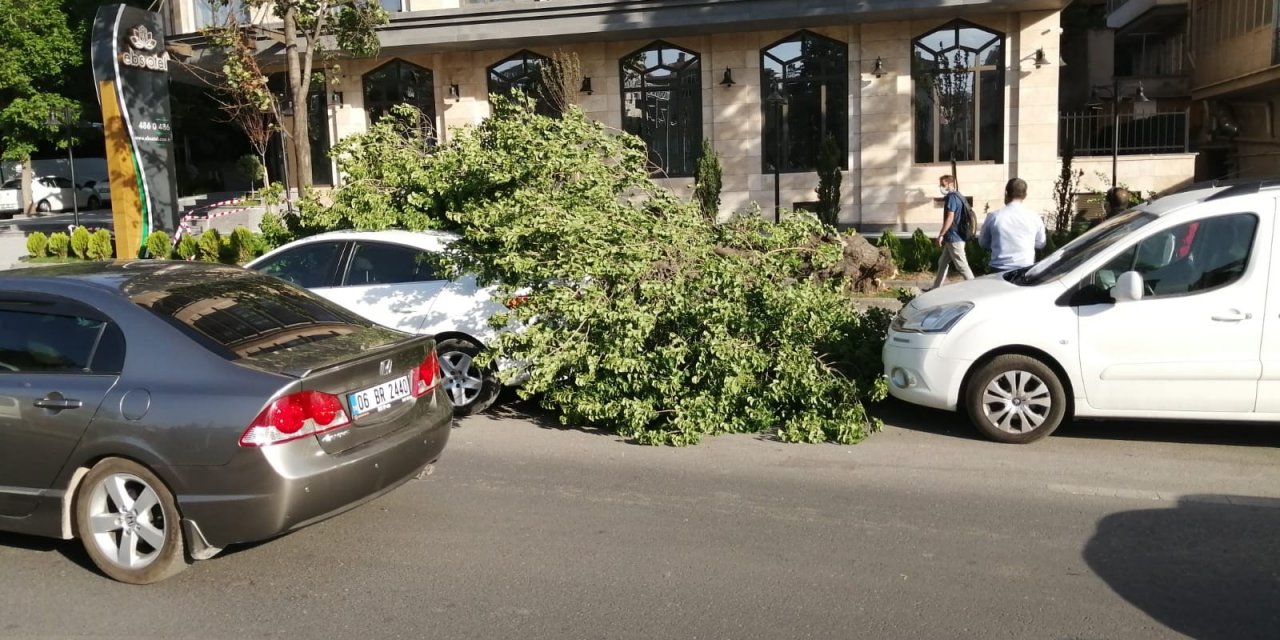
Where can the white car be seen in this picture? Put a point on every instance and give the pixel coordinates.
(1170, 312)
(50, 193)
(393, 278)
(101, 187)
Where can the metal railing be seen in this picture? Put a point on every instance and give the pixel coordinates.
(1094, 133)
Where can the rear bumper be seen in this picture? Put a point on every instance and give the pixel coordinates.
(273, 490)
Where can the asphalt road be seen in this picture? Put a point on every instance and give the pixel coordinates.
(526, 530)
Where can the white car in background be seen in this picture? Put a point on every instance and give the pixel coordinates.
(50, 193)
(394, 279)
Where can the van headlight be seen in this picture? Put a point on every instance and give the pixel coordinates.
(938, 319)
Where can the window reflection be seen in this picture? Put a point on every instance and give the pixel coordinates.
(958, 72)
(524, 72)
(662, 104)
(812, 73)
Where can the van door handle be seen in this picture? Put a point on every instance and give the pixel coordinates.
(55, 402)
(1232, 316)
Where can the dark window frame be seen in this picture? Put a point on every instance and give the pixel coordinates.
(397, 67)
(499, 83)
(691, 150)
(981, 72)
(833, 111)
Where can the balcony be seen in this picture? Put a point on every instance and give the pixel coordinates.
(1235, 45)
(1145, 16)
(1094, 134)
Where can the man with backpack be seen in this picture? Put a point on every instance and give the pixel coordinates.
(957, 228)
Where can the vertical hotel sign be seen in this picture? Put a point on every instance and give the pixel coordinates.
(131, 69)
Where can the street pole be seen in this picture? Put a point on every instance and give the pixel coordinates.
(1115, 128)
(75, 186)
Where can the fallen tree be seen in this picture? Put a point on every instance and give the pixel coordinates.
(643, 316)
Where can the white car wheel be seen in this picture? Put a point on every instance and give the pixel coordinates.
(471, 388)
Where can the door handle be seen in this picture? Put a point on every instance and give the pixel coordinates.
(55, 402)
(1232, 316)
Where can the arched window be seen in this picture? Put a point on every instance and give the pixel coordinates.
(662, 104)
(523, 71)
(399, 82)
(958, 70)
(808, 77)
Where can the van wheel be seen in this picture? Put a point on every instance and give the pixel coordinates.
(94, 202)
(471, 388)
(1015, 399)
(129, 523)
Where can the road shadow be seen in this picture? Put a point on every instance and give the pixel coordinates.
(510, 406)
(70, 549)
(1241, 434)
(1207, 568)
(905, 415)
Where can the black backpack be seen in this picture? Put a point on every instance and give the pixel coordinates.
(967, 224)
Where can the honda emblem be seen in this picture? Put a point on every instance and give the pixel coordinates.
(384, 368)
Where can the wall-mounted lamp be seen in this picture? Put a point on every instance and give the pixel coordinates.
(337, 98)
(454, 92)
(878, 71)
(728, 78)
(586, 85)
(1040, 59)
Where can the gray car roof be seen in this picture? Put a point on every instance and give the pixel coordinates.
(121, 276)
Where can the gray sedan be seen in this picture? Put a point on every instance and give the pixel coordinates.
(160, 411)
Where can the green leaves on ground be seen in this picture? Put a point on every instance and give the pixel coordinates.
(643, 316)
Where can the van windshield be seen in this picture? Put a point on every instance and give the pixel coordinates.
(1080, 250)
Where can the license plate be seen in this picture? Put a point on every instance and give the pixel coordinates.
(379, 397)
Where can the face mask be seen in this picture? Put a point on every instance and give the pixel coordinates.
(943, 190)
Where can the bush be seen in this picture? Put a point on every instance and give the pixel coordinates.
(100, 245)
(59, 243)
(38, 245)
(80, 242)
(920, 253)
(273, 232)
(188, 247)
(159, 245)
(643, 316)
(889, 240)
(708, 181)
(210, 246)
(244, 245)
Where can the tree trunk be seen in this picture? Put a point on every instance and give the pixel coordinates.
(27, 203)
(299, 87)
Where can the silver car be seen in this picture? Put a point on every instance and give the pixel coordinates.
(160, 411)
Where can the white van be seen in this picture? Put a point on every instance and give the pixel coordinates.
(1160, 313)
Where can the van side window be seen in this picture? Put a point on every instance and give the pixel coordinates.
(1190, 258)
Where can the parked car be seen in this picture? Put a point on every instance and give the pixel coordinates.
(101, 187)
(1166, 312)
(394, 278)
(50, 193)
(164, 410)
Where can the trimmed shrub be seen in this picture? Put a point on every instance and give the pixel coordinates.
(80, 243)
(38, 245)
(244, 245)
(59, 244)
(100, 245)
(889, 240)
(159, 245)
(210, 246)
(188, 247)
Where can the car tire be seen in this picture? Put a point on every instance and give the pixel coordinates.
(43, 206)
(470, 388)
(94, 203)
(1015, 399)
(109, 529)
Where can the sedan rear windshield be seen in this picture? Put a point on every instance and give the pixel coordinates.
(248, 316)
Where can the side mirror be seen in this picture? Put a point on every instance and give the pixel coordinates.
(1129, 287)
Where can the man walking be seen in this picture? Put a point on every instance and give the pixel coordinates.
(952, 236)
(1014, 232)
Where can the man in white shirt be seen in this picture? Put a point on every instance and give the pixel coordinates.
(1014, 232)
